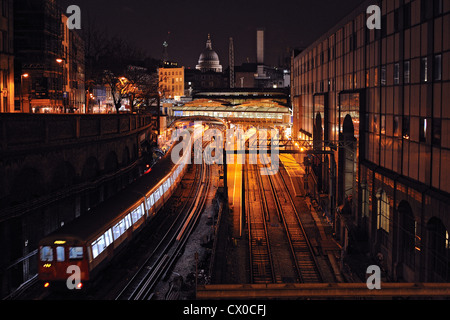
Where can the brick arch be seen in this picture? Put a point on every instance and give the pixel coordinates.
(63, 175)
(438, 251)
(27, 184)
(91, 169)
(125, 156)
(111, 162)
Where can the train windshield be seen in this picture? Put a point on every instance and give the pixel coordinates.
(75, 253)
(46, 254)
(60, 255)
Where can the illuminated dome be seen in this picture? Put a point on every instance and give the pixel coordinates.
(209, 60)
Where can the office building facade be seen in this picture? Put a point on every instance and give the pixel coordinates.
(374, 103)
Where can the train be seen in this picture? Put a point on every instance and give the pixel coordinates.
(90, 242)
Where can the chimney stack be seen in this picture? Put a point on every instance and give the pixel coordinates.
(260, 46)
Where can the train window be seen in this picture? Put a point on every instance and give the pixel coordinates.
(128, 221)
(60, 256)
(134, 216)
(156, 195)
(166, 185)
(46, 254)
(75, 253)
(137, 213)
(98, 246)
(108, 237)
(119, 229)
(150, 201)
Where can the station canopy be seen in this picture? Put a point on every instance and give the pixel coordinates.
(255, 106)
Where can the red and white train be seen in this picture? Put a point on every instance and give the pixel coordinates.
(91, 241)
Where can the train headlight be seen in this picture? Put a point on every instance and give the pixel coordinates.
(46, 285)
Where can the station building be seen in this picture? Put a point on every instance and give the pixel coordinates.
(380, 100)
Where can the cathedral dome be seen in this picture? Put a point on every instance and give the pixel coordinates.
(209, 59)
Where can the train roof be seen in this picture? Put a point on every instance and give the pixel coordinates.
(93, 223)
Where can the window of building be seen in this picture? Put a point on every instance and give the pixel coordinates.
(405, 128)
(424, 70)
(437, 68)
(425, 10)
(396, 73)
(383, 75)
(423, 124)
(383, 215)
(397, 126)
(5, 8)
(437, 131)
(407, 15)
(407, 72)
(365, 200)
(438, 7)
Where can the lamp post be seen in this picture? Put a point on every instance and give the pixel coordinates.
(25, 75)
(60, 61)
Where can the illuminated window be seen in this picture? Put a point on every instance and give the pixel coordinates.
(76, 253)
(424, 70)
(365, 200)
(383, 212)
(407, 72)
(60, 255)
(383, 216)
(383, 75)
(423, 126)
(46, 254)
(396, 73)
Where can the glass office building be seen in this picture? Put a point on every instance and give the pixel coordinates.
(381, 99)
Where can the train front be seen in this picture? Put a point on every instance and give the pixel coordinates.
(63, 263)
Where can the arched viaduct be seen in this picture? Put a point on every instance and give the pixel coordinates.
(54, 168)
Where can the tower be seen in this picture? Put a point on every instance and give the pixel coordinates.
(165, 57)
(260, 46)
(231, 62)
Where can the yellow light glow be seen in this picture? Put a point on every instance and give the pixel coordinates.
(60, 242)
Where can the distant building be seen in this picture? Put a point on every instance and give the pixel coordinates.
(77, 73)
(171, 83)
(51, 55)
(7, 59)
(209, 59)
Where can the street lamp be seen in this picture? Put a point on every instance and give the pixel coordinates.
(60, 62)
(25, 75)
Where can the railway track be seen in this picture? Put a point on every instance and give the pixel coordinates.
(261, 269)
(160, 262)
(300, 247)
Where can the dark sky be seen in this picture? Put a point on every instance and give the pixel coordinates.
(288, 23)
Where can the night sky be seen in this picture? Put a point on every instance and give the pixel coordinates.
(147, 23)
